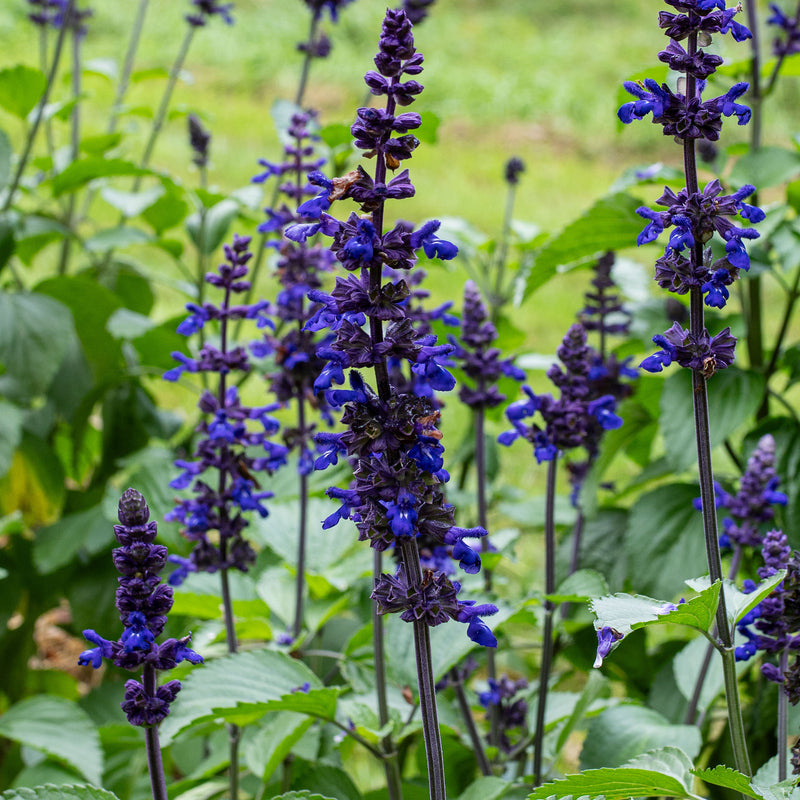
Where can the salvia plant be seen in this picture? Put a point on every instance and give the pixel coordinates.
(631, 625)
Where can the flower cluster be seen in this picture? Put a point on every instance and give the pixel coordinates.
(205, 9)
(512, 708)
(219, 502)
(44, 13)
(392, 438)
(299, 267)
(752, 506)
(694, 215)
(143, 603)
(199, 141)
(772, 632)
(788, 42)
(569, 419)
(476, 356)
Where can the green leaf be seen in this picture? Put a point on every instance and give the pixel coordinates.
(116, 238)
(737, 603)
(580, 587)
(167, 212)
(21, 88)
(127, 324)
(428, 131)
(610, 224)
(59, 728)
(86, 532)
(687, 665)
(131, 204)
(728, 778)
(734, 396)
(623, 732)
(208, 232)
(36, 233)
(52, 792)
(328, 781)
(97, 145)
(663, 772)
(81, 172)
(254, 680)
(628, 612)
(303, 794)
(765, 167)
(595, 684)
(665, 534)
(34, 333)
(11, 418)
(5, 159)
(266, 748)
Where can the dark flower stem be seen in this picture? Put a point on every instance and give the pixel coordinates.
(778, 63)
(155, 765)
(51, 77)
(783, 718)
(75, 141)
(547, 640)
(301, 539)
(234, 732)
(472, 731)
(701, 421)
(427, 692)
(480, 478)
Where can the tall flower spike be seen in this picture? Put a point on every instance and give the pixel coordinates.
(143, 603)
(204, 10)
(392, 438)
(222, 472)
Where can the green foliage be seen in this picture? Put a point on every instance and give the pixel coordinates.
(21, 88)
(60, 792)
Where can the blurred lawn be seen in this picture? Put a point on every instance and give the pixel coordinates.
(530, 78)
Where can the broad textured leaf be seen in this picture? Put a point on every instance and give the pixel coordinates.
(199, 596)
(209, 233)
(248, 678)
(52, 792)
(729, 778)
(266, 748)
(130, 204)
(737, 603)
(610, 224)
(733, 397)
(664, 772)
(580, 586)
(328, 781)
(81, 172)
(664, 539)
(87, 532)
(34, 333)
(765, 167)
(59, 728)
(21, 88)
(626, 731)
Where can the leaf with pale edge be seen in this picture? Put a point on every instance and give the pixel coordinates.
(738, 603)
(728, 778)
(52, 792)
(664, 772)
(58, 727)
(244, 685)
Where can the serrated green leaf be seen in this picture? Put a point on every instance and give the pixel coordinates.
(86, 532)
(733, 397)
(81, 172)
(610, 224)
(728, 778)
(303, 794)
(328, 780)
(21, 88)
(52, 792)
(249, 678)
(737, 603)
(58, 727)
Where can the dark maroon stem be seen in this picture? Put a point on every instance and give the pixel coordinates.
(155, 765)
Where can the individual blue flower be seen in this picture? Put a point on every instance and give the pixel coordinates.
(603, 410)
(95, 655)
(433, 246)
(607, 638)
